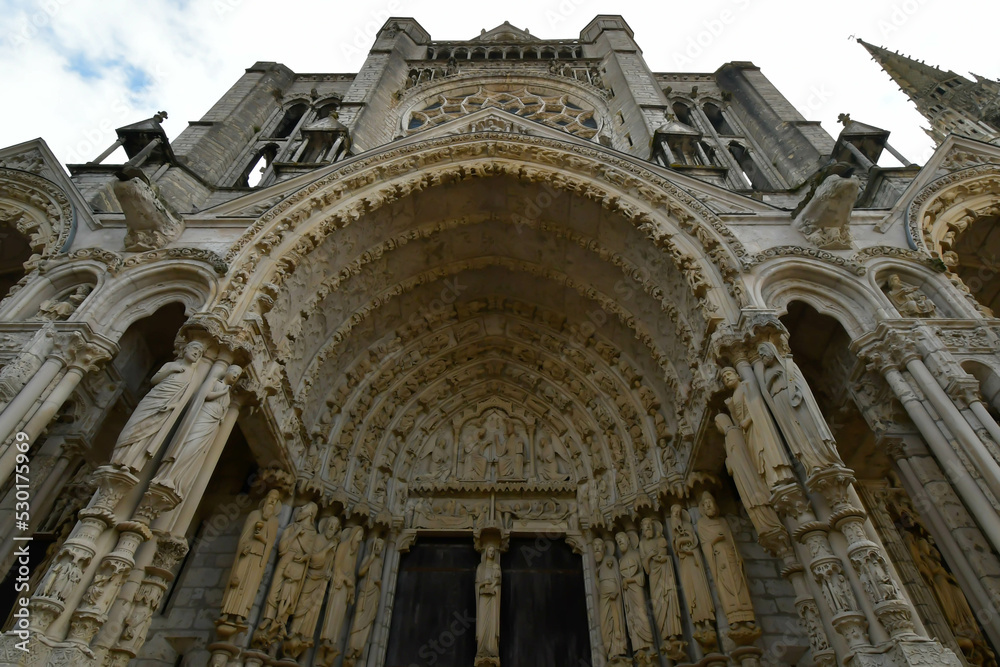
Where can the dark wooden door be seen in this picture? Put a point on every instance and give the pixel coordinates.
(543, 607)
(434, 615)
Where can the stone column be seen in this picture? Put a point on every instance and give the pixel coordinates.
(961, 541)
(847, 616)
(886, 357)
(778, 544)
(169, 551)
(78, 356)
(61, 590)
(397, 544)
(128, 621)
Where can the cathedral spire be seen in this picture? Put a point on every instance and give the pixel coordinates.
(950, 102)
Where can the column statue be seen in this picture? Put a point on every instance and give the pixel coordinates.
(310, 601)
(183, 461)
(609, 593)
(657, 563)
(755, 496)
(341, 594)
(367, 607)
(256, 540)
(634, 596)
(488, 609)
(694, 583)
(140, 437)
(294, 550)
(726, 565)
(796, 411)
(763, 443)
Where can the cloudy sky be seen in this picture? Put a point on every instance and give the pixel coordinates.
(73, 70)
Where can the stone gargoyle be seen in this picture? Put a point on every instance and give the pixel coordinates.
(151, 225)
(824, 216)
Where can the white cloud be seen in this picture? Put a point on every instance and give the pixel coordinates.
(193, 51)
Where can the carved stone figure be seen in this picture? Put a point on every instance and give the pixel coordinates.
(796, 411)
(488, 609)
(763, 444)
(294, 550)
(547, 461)
(57, 310)
(140, 437)
(182, 463)
(440, 460)
(909, 300)
(65, 574)
(634, 594)
(609, 590)
(310, 601)
(824, 216)
(476, 461)
(692, 575)
(726, 566)
(942, 583)
(510, 454)
(367, 606)
(656, 561)
(341, 594)
(754, 494)
(252, 553)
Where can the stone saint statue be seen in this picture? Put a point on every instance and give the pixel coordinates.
(726, 565)
(547, 461)
(294, 549)
(942, 583)
(756, 498)
(656, 562)
(692, 575)
(634, 593)
(367, 607)
(609, 588)
(763, 443)
(510, 454)
(183, 461)
(341, 594)
(440, 460)
(909, 300)
(252, 553)
(310, 601)
(796, 411)
(153, 417)
(488, 609)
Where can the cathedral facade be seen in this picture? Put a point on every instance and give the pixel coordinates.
(505, 351)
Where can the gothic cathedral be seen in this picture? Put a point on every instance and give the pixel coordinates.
(505, 352)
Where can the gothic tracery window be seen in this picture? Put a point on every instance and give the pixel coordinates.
(559, 111)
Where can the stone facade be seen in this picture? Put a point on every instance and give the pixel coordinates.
(500, 311)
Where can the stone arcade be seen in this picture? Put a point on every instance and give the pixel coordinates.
(508, 352)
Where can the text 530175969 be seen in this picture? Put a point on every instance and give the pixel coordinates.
(22, 521)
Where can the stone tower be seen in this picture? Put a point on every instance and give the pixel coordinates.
(504, 351)
(951, 103)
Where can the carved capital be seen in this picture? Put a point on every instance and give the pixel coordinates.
(74, 350)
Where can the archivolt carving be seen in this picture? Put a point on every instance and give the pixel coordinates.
(380, 412)
(606, 303)
(655, 289)
(37, 208)
(481, 155)
(946, 207)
